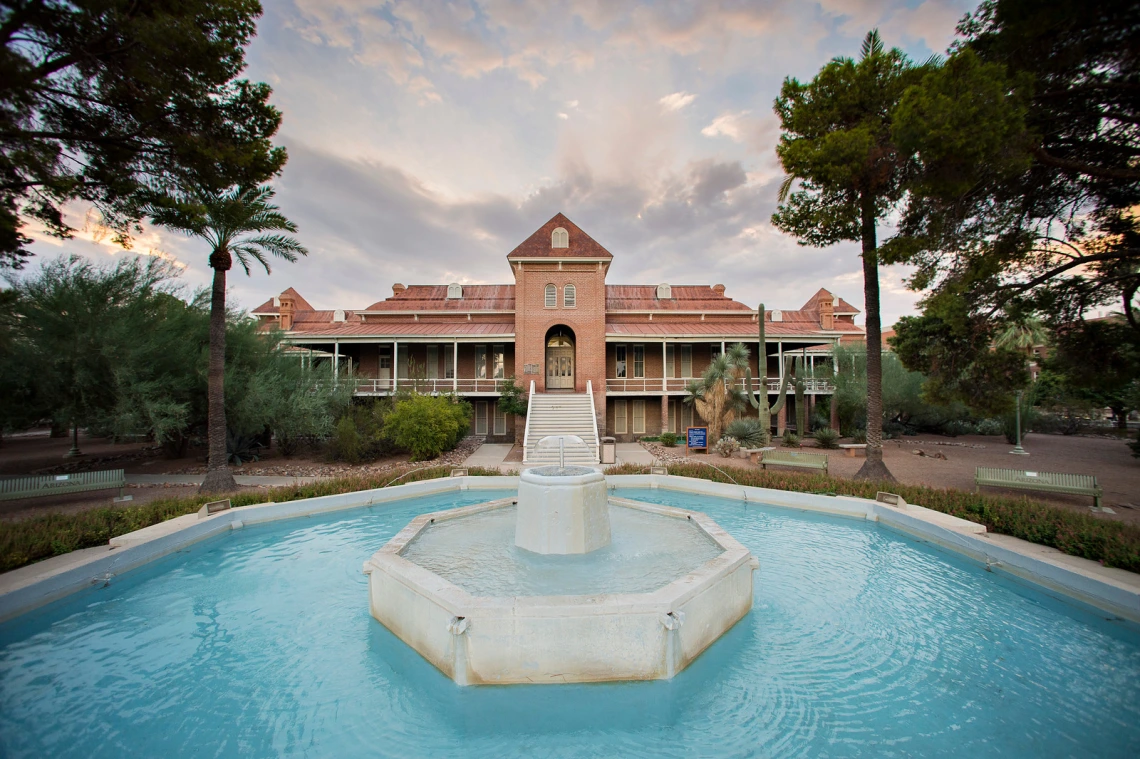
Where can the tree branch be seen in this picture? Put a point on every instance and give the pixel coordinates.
(1081, 167)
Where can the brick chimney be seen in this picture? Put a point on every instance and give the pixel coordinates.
(718, 289)
(286, 311)
(827, 313)
(398, 288)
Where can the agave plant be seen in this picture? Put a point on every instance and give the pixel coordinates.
(715, 395)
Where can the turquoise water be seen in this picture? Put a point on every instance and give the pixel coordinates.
(861, 642)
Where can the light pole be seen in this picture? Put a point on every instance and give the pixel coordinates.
(1017, 449)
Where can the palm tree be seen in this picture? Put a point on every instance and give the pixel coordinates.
(1024, 335)
(715, 395)
(242, 223)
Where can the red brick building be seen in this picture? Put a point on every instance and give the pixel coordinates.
(561, 327)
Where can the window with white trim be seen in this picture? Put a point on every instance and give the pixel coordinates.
(551, 296)
(560, 238)
(449, 362)
(639, 361)
(686, 361)
(500, 420)
(433, 362)
(499, 363)
(639, 417)
(670, 361)
(481, 361)
(619, 417)
(569, 296)
(481, 418)
(619, 360)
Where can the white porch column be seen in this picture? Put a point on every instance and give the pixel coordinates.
(835, 358)
(336, 359)
(455, 367)
(664, 379)
(722, 347)
(780, 358)
(395, 366)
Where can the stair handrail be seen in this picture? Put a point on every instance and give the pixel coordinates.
(594, 419)
(526, 432)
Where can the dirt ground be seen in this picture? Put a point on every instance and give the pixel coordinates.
(1117, 472)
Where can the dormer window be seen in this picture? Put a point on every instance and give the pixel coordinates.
(664, 292)
(338, 315)
(551, 296)
(570, 296)
(454, 291)
(560, 238)
(777, 316)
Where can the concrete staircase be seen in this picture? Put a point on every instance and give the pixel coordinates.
(561, 414)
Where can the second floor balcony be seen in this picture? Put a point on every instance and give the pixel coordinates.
(677, 385)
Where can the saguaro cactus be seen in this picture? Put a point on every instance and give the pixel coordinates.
(801, 404)
(759, 401)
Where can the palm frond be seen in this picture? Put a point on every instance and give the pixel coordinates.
(785, 188)
(872, 45)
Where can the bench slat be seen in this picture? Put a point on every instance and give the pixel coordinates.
(793, 458)
(32, 487)
(1051, 482)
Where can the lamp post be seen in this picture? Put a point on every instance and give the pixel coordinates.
(1017, 449)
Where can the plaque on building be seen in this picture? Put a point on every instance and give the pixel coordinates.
(530, 368)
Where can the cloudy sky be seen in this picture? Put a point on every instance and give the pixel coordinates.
(428, 138)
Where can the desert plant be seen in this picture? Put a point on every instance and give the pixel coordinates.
(715, 395)
(826, 437)
(991, 427)
(727, 446)
(791, 439)
(668, 439)
(759, 400)
(859, 437)
(749, 432)
(241, 448)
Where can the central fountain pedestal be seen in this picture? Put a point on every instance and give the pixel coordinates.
(562, 510)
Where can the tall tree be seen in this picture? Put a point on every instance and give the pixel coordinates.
(837, 143)
(715, 395)
(110, 101)
(1047, 227)
(241, 223)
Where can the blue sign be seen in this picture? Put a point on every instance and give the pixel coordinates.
(697, 437)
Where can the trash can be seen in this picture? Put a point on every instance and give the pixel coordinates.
(609, 450)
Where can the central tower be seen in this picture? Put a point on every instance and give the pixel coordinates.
(560, 311)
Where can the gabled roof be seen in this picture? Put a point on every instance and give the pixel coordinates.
(539, 245)
(684, 298)
(299, 304)
(434, 298)
(813, 303)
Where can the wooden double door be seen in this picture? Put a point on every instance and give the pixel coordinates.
(560, 363)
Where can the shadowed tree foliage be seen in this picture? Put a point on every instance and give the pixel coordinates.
(837, 143)
(1033, 221)
(114, 101)
(240, 223)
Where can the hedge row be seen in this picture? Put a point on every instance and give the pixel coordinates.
(37, 538)
(1114, 544)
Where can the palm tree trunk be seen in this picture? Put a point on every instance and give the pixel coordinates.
(873, 468)
(219, 479)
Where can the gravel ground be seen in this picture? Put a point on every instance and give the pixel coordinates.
(1109, 459)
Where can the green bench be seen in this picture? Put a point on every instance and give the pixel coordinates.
(792, 458)
(81, 482)
(1049, 482)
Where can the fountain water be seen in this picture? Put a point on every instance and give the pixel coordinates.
(561, 584)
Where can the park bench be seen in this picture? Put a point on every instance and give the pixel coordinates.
(1051, 482)
(850, 448)
(792, 458)
(59, 484)
(754, 454)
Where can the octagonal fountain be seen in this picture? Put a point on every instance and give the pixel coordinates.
(562, 584)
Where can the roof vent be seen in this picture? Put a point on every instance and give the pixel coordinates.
(777, 316)
(276, 302)
(454, 291)
(560, 238)
(718, 289)
(338, 315)
(835, 302)
(398, 288)
(664, 292)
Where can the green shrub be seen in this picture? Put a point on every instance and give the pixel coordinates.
(427, 425)
(791, 439)
(1135, 445)
(992, 427)
(1117, 544)
(749, 432)
(727, 446)
(826, 438)
(668, 439)
(859, 437)
(359, 434)
(37, 538)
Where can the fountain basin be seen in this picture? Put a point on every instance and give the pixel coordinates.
(561, 638)
(562, 510)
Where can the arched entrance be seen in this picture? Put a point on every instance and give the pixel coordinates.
(560, 358)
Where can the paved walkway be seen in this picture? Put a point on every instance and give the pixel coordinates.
(493, 455)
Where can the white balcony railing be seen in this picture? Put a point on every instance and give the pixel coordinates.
(676, 384)
(367, 386)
